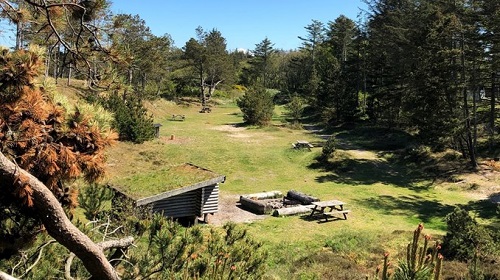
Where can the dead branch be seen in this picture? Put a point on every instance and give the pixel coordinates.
(120, 244)
(40, 251)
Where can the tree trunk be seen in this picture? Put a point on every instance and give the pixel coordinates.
(69, 74)
(296, 210)
(57, 223)
(492, 108)
(265, 195)
(467, 125)
(202, 88)
(19, 34)
(255, 206)
(298, 196)
(56, 63)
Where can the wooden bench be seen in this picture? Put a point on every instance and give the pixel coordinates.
(178, 117)
(206, 110)
(332, 214)
(302, 144)
(335, 207)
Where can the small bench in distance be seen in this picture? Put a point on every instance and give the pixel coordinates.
(178, 117)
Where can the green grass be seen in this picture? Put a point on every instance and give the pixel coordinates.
(388, 199)
(156, 181)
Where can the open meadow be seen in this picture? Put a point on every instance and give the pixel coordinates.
(387, 197)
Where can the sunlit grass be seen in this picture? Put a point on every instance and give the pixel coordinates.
(387, 200)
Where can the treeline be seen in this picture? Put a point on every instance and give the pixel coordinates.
(429, 67)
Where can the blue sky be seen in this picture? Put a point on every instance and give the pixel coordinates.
(242, 23)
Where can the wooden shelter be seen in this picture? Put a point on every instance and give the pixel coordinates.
(183, 191)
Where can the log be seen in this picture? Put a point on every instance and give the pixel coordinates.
(254, 206)
(303, 198)
(301, 209)
(264, 195)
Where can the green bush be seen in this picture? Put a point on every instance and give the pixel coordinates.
(257, 106)
(174, 252)
(295, 108)
(328, 149)
(93, 201)
(465, 238)
(131, 118)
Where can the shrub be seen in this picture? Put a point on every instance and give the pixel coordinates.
(328, 149)
(295, 108)
(131, 118)
(465, 238)
(173, 252)
(421, 263)
(257, 106)
(93, 200)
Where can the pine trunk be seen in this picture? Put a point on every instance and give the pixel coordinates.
(57, 223)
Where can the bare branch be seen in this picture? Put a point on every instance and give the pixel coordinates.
(67, 267)
(120, 243)
(40, 251)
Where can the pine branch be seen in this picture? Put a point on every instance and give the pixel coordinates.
(57, 223)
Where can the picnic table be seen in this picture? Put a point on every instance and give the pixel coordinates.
(302, 144)
(178, 117)
(335, 207)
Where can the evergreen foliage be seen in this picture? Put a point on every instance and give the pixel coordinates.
(465, 239)
(175, 252)
(328, 149)
(93, 201)
(42, 138)
(295, 108)
(257, 106)
(131, 118)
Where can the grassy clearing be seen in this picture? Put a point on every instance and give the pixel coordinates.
(388, 198)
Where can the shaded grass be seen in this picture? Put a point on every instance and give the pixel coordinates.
(374, 138)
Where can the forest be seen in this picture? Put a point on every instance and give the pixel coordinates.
(414, 83)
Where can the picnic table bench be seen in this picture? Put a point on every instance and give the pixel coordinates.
(302, 144)
(178, 117)
(336, 207)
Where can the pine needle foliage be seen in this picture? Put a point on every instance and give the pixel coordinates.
(41, 138)
(131, 117)
(257, 106)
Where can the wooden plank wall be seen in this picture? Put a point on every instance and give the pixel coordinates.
(210, 199)
(194, 203)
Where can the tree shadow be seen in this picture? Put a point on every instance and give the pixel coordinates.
(238, 125)
(411, 205)
(488, 209)
(375, 138)
(368, 172)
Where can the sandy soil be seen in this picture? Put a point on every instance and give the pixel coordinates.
(230, 211)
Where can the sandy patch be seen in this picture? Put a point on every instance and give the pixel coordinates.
(229, 128)
(229, 211)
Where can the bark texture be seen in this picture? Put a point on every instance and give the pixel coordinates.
(57, 223)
